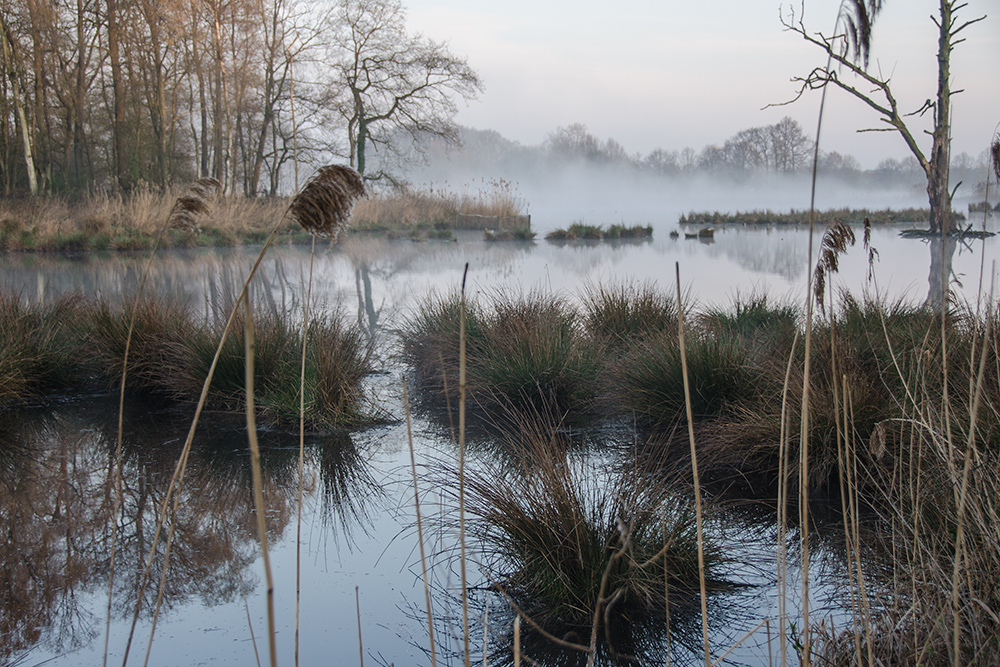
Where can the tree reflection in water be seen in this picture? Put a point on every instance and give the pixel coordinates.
(57, 500)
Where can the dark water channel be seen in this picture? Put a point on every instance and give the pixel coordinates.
(358, 545)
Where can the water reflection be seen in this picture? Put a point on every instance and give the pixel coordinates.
(57, 505)
(383, 277)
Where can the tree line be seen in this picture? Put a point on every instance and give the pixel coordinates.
(781, 149)
(105, 94)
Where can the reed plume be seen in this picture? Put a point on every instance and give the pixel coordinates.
(191, 204)
(995, 153)
(324, 204)
(836, 240)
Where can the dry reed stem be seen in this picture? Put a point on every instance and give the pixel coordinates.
(486, 635)
(517, 641)
(357, 606)
(969, 448)
(420, 528)
(783, 443)
(461, 466)
(694, 470)
(302, 447)
(178, 477)
(601, 601)
(258, 494)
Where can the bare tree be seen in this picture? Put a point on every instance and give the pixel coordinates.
(394, 84)
(848, 52)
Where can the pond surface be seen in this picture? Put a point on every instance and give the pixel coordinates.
(357, 543)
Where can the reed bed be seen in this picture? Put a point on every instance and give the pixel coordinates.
(405, 207)
(616, 354)
(937, 471)
(103, 221)
(793, 217)
(76, 344)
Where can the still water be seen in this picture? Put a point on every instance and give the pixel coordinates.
(357, 543)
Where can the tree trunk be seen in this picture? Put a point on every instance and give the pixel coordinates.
(9, 66)
(938, 167)
(120, 167)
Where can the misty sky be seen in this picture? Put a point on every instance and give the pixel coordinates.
(670, 74)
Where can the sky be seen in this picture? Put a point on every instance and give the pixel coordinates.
(671, 74)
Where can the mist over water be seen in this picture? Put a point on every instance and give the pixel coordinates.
(558, 195)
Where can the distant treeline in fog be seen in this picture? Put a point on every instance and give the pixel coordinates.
(782, 148)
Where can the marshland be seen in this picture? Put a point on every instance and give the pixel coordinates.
(575, 417)
(297, 369)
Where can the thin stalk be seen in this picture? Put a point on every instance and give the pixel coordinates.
(461, 467)
(694, 471)
(302, 445)
(357, 606)
(258, 484)
(486, 635)
(420, 528)
(783, 441)
(666, 580)
(119, 493)
(517, 641)
(177, 479)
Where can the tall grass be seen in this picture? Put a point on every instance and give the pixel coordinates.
(619, 316)
(172, 351)
(525, 352)
(574, 545)
(40, 347)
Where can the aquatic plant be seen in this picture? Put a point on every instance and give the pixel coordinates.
(573, 544)
(619, 316)
(40, 347)
(648, 381)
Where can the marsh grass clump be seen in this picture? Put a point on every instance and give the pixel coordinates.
(649, 381)
(430, 339)
(525, 352)
(337, 360)
(532, 355)
(574, 543)
(40, 347)
(171, 352)
(754, 319)
(618, 316)
(160, 329)
(616, 232)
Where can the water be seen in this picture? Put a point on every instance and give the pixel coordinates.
(357, 531)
